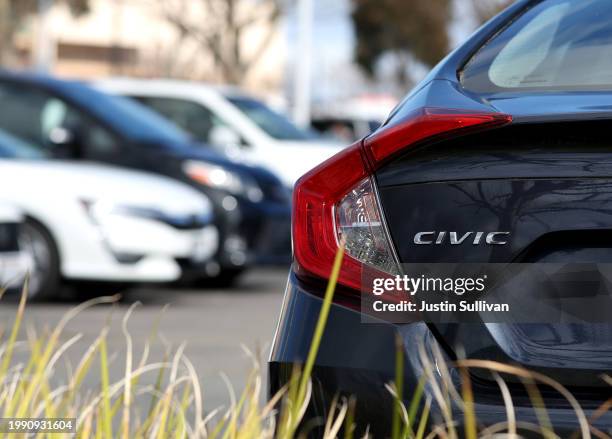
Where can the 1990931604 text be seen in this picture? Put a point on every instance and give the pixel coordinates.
(37, 425)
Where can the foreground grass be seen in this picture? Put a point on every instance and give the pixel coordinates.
(174, 403)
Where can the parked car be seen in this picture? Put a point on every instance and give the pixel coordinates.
(345, 129)
(508, 138)
(68, 119)
(238, 124)
(97, 223)
(13, 262)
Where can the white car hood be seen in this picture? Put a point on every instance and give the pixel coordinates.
(95, 182)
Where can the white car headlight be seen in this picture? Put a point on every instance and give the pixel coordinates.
(218, 177)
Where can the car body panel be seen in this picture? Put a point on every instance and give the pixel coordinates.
(547, 184)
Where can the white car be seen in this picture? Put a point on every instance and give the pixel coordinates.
(13, 262)
(92, 222)
(241, 126)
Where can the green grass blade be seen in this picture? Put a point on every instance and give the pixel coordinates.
(396, 419)
(107, 422)
(10, 344)
(319, 329)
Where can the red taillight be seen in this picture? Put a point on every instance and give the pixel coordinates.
(315, 241)
(337, 197)
(427, 123)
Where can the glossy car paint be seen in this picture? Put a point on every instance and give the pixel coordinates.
(546, 178)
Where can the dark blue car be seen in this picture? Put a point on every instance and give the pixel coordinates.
(477, 224)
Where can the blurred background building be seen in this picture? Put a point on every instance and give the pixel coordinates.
(319, 55)
(161, 38)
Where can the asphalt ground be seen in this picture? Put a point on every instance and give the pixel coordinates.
(215, 325)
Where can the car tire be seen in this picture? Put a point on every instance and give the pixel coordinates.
(44, 275)
(226, 278)
(85, 290)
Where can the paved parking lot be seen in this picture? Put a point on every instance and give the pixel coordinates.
(213, 323)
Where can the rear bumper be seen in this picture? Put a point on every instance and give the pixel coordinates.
(358, 359)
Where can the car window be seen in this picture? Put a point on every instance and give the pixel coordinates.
(14, 148)
(555, 45)
(96, 140)
(128, 117)
(41, 119)
(20, 112)
(274, 124)
(194, 118)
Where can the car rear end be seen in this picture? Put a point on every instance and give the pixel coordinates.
(509, 178)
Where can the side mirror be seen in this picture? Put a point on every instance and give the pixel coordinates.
(64, 142)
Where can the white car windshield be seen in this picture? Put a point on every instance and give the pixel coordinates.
(274, 124)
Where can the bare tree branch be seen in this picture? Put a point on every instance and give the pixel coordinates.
(225, 29)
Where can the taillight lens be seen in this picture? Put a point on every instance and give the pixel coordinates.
(337, 199)
(360, 223)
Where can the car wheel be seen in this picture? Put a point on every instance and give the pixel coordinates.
(226, 278)
(85, 290)
(44, 277)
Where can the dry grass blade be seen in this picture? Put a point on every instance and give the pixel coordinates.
(127, 392)
(531, 375)
(442, 398)
(510, 413)
(10, 344)
(537, 402)
(199, 424)
(601, 410)
(335, 420)
(500, 429)
(28, 387)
